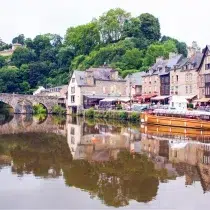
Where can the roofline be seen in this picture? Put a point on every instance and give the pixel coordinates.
(203, 57)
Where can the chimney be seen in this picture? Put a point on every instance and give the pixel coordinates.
(113, 74)
(192, 50)
(89, 77)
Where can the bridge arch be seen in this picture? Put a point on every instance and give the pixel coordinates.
(23, 104)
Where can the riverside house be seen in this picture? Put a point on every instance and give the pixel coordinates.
(87, 88)
(184, 77)
(204, 76)
(134, 85)
(156, 81)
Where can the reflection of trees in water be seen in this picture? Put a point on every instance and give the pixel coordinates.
(43, 155)
(117, 182)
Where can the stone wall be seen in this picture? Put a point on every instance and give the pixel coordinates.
(151, 84)
(187, 83)
(22, 104)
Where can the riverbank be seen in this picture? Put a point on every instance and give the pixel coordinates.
(112, 114)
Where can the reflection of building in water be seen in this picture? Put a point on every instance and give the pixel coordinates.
(189, 158)
(98, 142)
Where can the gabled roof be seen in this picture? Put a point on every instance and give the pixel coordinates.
(162, 67)
(207, 48)
(97, 73)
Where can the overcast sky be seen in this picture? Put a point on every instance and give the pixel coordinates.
(186, 20)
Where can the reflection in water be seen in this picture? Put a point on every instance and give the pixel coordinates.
(116, 163)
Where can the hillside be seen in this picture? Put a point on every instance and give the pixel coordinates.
(127, 43)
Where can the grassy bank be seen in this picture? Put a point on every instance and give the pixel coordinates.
(113, 114)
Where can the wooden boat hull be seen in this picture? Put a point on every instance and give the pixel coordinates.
(174, 121)
(176, 132)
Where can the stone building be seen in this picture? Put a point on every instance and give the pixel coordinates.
(204, 75)
(157, 79)
(184, 76)
(134, 84)
(10, 51)
(87, 88)
(59, 91)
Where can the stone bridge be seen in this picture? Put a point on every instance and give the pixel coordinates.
(23, 104)
(28, 124)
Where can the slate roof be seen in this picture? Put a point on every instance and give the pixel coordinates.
(193, 61)
(135, 78)
(98, 74)
(162, 67)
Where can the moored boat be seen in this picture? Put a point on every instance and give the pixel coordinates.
(174, 118)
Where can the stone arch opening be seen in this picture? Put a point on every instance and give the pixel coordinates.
(24, 107)
(40, 108)
(6, 113)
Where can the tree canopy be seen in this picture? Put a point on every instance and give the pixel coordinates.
(127, 43)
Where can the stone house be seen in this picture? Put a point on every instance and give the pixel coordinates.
(204, 74)
(134, 84)
(157, 79)
(184, 76)
(87, 88)
(59, 91)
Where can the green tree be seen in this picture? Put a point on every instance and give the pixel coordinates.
(23, 56)
(38, 71)
(150, 27)
(111, 25)
(19, 39)
(181, 46)
(39, 43)
(83, 38)
(133, 59)
(2, 61)
(9, 79)
(157, 50)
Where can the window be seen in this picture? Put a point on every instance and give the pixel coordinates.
(190, 77)
(190, 88)
(207, 66)
(207, 78)
(177, 78)
(172, 78)
(186, 89)
(186, 78)
(73, 80)
(73, 90)
(72, 131)
(72, 99)
(72, 140)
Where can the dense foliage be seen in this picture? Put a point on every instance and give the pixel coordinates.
(127, 43)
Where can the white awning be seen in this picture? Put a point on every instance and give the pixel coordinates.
(203, 100)
(159, 98)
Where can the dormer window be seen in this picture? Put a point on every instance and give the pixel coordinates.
(73, 80)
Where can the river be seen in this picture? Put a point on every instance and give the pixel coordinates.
(55, 163)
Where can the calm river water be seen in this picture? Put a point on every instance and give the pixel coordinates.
(69, 163)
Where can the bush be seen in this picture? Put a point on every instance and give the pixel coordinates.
(134, 117)
(39, 109)
(123, 115)
(89, 113)
(59, 110)
(190, 106)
